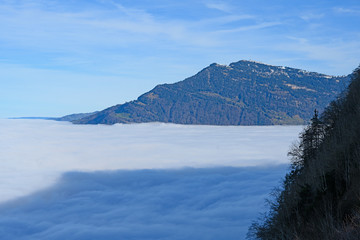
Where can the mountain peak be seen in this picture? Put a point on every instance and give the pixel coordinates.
(251, 62)
(218, 65)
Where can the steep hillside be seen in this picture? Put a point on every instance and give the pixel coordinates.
(243, 93)
(321, 195)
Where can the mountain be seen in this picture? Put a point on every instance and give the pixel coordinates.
(74, 117)
(320, 197)
(243, 93)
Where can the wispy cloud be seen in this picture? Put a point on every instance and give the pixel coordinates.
(42, 28)
(47, 29)
(312, 16)
(325, 52)
(353, 11)
(221, 6)
(231, 18)
(251, 27)
(298, 39)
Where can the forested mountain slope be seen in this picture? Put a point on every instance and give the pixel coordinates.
(243, 93)
(321, 195)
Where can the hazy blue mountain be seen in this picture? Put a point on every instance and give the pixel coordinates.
(71, 117)
(243, 93)
(33, 118)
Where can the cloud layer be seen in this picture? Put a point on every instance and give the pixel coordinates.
(138, 181)
(212, 203)
(38, 152)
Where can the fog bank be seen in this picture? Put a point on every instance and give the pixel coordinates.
(37, 152)
(207, 203)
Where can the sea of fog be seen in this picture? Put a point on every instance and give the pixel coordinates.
(137, 181)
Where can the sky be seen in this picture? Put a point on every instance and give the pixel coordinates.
(62, 57)
(137, 181)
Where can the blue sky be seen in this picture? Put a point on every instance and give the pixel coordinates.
(62, 57)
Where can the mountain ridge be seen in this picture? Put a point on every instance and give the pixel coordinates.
(241, 93)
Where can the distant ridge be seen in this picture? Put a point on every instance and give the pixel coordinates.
(71, 117)
(30, 118)
(242, 93)
(75, 116)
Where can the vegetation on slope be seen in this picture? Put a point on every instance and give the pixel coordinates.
(320, 197)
